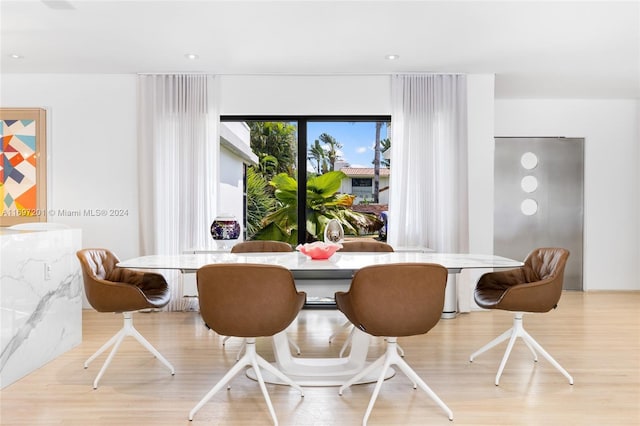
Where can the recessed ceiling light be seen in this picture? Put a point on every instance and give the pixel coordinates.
(191, 56)
(16, 56)
(392, 57)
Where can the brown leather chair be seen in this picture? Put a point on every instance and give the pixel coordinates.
(112, 289)
(249, 301)
(365, 246)
(535, 287)
(258, 246)
(368, 246)
(394, 300)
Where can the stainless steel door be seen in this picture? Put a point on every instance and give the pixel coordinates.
(539, 199)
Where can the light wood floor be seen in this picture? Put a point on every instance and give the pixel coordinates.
(595, 336)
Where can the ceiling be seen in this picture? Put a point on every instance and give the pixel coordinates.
(573, 49)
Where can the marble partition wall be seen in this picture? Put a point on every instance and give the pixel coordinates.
(40, 299)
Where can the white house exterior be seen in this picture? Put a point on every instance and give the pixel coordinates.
(235, 151)
(359, 182)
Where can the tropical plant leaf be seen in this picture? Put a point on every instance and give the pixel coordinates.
(284, 182)
(273, 232)
(260, 201)
(327, 184)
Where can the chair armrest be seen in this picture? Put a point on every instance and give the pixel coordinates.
(515, 290)
(302, 299)
(343, 303)
(532, 297)
(110, 296)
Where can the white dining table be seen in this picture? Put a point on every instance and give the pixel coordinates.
(341, 266)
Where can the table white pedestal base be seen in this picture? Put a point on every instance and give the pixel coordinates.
(327, 379)
(321, 371)
(450, 308)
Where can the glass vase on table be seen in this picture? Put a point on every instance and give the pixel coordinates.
(225, 230)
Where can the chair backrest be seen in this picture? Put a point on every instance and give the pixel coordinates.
(544, 266)
(365, 246)
(97, 263)
(247, 300)
(258, 246)
(402, 299)
(547, 263)
(109, 288)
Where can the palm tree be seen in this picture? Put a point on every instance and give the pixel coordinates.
(376, 165)
(317, 153)
(332, 151)
(385, 145)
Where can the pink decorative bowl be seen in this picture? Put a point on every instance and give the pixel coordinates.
(318, 250)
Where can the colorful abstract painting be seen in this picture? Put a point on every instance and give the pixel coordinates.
(21, 168)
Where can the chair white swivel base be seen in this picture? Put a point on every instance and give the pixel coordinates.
(252, 359)
(512, 334)
(349, 338)
(127, 330)
(392, 357)
(346, 325)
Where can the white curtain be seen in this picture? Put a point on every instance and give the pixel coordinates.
(428, 205)
(178, 165)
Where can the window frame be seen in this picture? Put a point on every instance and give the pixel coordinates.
(302, 122)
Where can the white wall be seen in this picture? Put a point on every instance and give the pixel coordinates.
(480, 110)
(480, 107)
(305, 95)
(92, 148)
(611, 210)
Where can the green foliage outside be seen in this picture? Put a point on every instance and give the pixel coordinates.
(323, 204)
(275, 145)
(260, 201)
(272, 192)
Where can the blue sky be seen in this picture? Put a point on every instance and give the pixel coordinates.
(357, 139)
